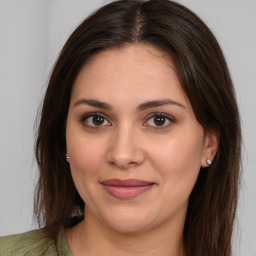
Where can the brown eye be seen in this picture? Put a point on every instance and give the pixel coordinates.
(95, 121)
(159, 121)
(98, 120)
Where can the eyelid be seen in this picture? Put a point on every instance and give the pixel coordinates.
(91, 114)
(169, 117)
(83, 117)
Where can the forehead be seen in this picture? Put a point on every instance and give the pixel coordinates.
(136, 71)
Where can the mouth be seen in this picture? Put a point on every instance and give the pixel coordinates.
(126, 189)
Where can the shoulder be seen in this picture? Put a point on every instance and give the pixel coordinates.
(34, 242)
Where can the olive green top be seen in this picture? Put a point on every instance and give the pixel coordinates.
(34, 243)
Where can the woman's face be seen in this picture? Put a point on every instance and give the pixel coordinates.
(134, 143)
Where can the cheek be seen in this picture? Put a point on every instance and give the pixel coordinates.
(178, 161)
(85, 151)
(86, 159)
(86, 156)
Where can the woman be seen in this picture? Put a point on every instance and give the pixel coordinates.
(138, 145)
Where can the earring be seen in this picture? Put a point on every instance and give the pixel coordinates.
(208, 161)
(67, 157)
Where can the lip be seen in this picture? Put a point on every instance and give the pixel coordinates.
(126, 189)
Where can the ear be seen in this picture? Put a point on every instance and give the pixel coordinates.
(211, 144)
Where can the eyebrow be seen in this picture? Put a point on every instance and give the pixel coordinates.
(93, 103)
(141, 107)
(158, 103)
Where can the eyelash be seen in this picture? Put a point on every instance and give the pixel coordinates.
(95, 114)
(152, 115)
(160, 115)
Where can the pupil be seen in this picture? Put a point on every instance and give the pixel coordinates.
(98, 120)
(159, 120)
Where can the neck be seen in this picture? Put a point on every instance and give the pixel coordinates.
(91, 237)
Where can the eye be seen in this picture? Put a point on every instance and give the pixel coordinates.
(159, 121)
(95, 120)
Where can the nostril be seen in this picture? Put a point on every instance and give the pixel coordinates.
(124, 165)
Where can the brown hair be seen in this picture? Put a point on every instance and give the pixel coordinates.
(204, 76)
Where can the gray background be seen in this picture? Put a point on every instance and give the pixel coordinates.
(32, 33)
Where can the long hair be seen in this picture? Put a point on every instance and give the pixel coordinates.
(204, 76)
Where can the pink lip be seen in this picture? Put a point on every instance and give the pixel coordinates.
(126, 189)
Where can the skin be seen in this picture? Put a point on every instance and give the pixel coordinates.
(129, 143)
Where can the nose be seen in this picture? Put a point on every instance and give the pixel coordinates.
(125, 149)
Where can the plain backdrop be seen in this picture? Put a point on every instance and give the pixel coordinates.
(32, 33)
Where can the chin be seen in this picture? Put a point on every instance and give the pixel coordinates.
(129, 227)
(128, 222)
